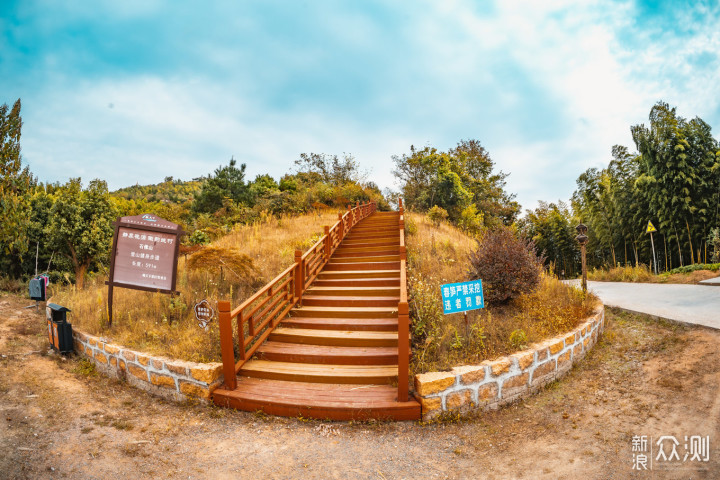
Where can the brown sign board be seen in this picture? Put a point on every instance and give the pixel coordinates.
(204, 313)
(144, 255)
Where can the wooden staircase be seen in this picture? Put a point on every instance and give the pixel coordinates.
(335, 354)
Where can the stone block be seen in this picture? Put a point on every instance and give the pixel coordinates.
(113, 361)
(162, 380)
(128, 355)
(138, 372)
(100, 357)
(585, 342)
(487, 393)
(156, 364)
(525, 359)
(516, 381)
(542, 371)
(179, 369)
(92, 341)
(111, 349)
(470, 374)
(80, 336)
(461, 400)
(500, 366)
(542, 352)
(194, 390)
(556, 346)
(121, 364)
(207, 373)
(433, 382)
(88, 351)
(429, 405)
(143, 360)
(570, 340)
(577, 350)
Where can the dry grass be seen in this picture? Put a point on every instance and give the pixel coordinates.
(160, 324)
(438, 255)
(643, 274)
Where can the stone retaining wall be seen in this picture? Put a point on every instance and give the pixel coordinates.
(505, 380)
(164, 377)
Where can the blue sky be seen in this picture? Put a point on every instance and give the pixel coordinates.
(133, 91)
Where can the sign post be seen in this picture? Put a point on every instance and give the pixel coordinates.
(144, 256)
(461, 297)
(650, 229)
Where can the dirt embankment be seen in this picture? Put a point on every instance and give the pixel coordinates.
(59, 420)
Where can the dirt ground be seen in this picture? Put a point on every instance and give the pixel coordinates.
(60, 420)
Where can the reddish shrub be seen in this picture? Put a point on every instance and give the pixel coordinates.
(507, 265)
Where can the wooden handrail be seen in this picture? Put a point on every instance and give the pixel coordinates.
(403, 315)
(258, 316)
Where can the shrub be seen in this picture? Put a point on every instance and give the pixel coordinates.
(437, 215)
(507, 265)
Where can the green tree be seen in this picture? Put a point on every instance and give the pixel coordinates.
(15, 183)
(454, 180)
(551, 228)
(80, 225)
(677, 177)
(331, 168)
(227, 184)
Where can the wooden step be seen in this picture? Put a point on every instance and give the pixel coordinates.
(356, 291)
(368, 274)
(360, 252)
(371, 237)
(320, 373)
(327, 354)
(346, 312)
(360, 282)
(360, 243)
(349, 301)
(340, 338)
(321, 401)
(364, 259)
(329, 323)
(335, 266)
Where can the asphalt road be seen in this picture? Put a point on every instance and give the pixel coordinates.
(694, 304)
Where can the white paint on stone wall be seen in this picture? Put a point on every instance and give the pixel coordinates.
(592, 328)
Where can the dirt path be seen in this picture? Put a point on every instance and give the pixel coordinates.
(58, 420)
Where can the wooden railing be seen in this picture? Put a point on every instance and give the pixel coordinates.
(403, 315)
(258, 316)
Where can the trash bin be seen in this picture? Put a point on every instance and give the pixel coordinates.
(59, 330)
(37, 289)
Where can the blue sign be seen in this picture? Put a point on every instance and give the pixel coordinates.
(461, 297)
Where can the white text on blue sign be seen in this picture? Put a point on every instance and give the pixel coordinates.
(461, 297)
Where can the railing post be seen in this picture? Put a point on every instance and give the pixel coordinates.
(403, 350)
(299, 277)
(241, 334)
(226, 345)
(341, 226)
(327, 243)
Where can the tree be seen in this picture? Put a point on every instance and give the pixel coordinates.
(454, 180)
(80, 225)
(331, 168)
(550, 227)
(15, 183)
(676, 178)
(227, 184)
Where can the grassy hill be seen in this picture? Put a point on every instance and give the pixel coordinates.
(235, 265)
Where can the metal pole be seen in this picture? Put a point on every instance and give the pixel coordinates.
(584, 268)
(652, 242)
